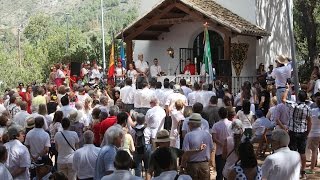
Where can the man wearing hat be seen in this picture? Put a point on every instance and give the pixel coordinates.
(197, 163)
(43, 168)
(281, 74)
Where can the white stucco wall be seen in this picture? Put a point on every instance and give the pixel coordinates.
(272, 16)
(182, 36)
(243, 8)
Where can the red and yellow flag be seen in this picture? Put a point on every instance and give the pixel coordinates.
(111, 62)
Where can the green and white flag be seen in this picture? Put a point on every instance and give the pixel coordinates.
(207, 55)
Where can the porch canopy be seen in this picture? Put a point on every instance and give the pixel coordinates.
(170, 12)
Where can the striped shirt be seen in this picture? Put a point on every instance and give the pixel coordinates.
(298, 114)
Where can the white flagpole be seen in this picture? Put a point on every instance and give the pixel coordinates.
(103, 41)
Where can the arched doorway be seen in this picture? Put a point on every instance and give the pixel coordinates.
(216, 44)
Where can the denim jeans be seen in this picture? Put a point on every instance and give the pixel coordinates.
(138, 158)
(279, 94)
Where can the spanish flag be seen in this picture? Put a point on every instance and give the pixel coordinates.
(111, 62)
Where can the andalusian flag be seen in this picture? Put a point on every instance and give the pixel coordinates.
(207, 55)
(111, 62)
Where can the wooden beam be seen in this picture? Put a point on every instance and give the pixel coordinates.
(227, 46)
(158, 29)
(129, 52)
(145, 37)
(150, 22)
(174, 20)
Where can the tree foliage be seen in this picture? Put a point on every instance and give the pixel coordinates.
(43, 41)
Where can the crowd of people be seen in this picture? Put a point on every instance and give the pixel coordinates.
(143, 128)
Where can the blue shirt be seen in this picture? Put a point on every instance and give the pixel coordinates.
(105, 161)
(193, 140)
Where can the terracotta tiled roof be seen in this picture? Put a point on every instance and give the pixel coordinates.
(225, 17)
(211, 10)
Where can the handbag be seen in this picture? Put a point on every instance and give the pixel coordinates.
(68, 142)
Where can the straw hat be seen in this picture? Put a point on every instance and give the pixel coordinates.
(163, 136)
(195, 118)
(282, 59)
(30, 123)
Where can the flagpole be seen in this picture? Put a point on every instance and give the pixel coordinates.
(103, 40)
(293, 50)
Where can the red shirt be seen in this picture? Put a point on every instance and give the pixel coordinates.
(105, 124)
(96, 132)
(191, 68)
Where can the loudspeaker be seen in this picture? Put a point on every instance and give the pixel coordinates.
(75, 68)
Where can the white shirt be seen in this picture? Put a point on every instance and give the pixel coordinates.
(155, 70)
(204, 125)
(172, 98)
(281, 74)
(186, 90)
(315, 123)
(282, 164)
(141, 66)
(121, 174)
(260, 125)
(85, 157)
(127, 94)
(64, 150)
(222, 130)
(316, 86)
(165, 94)
(192, 97)
(119, 71)
(37, 139)
(204, 97)
(18, 156)
(66, 110)
(95, 73)
(245, 119)
(60, 74)
(155, 120)
(34, 115)
(82, 98)
(4, 172)
(136, 101)
(171, 175)
(20, 118)
(145, 96)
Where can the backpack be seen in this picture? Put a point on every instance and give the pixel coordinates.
(139, 141)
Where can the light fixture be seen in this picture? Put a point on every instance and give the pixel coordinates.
(170, 52)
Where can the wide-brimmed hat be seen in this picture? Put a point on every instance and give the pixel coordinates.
(163, 136)
(282, 59)
(30, 122)
(195, 118)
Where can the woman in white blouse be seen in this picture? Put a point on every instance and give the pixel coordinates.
(132, 73)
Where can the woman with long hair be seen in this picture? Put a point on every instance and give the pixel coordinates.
(246, 115)
(247, 166)
(44, 112)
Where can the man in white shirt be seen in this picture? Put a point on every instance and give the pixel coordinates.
(204, 95)
(172, 98)
(260, 125)
(283, 163)
(86, 157)
(155, 69)
(13, 107)
(127, 95)
(145, 96)
(185, 89)
(20, 117)
(165, 93)
(66, 143)
(281, 74)
(142, 66)
(66, 108)
(19, 160)
(4, 172)
(220, 131)
(194, 94)
(95, 73)
(37, 140)
(155, 117)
